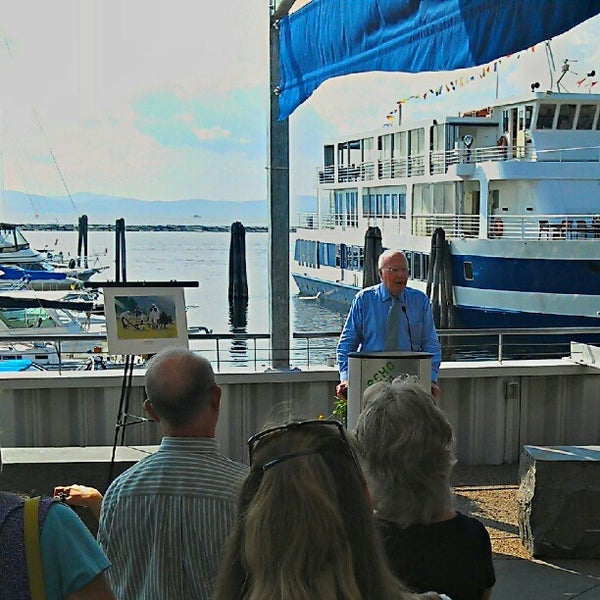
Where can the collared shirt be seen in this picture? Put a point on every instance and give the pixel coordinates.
(164, 521)
(364, 329)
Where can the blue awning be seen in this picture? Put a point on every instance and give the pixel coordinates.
(329, 38)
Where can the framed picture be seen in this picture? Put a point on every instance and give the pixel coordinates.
(143, 319)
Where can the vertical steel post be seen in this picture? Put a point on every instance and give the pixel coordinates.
(278, 185)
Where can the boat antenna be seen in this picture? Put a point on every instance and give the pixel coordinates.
(551, 64)
(566, 68)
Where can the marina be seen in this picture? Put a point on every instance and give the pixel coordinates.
(495, 207)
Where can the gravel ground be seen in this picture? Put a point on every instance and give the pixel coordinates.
(489, 493)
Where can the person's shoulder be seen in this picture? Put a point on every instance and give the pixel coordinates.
(469, 523)
(233, 469)
(368, 292)
(415, 293)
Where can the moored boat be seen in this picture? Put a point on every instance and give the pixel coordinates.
(497, 210)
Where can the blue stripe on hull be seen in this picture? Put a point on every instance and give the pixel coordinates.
(529, 275)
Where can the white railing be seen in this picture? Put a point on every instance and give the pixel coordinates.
(455, 226)
(413, 166)
(516, 227)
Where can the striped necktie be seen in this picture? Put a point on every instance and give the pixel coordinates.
(392, 325)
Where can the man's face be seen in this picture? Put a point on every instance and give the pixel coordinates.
(394, 274)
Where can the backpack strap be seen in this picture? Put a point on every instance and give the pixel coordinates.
(33, 553)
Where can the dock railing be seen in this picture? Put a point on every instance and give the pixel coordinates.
(317, 348)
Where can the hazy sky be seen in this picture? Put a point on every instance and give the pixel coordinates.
(167, 99)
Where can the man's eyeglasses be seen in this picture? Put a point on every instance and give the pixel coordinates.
(254, 440)
(395, 270)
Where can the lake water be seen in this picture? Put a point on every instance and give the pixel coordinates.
(204, 257)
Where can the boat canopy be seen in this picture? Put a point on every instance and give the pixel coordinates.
(24, 301)
(330, 38)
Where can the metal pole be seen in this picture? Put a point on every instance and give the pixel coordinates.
(278, 188)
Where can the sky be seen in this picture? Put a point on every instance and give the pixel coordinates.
(168, 99)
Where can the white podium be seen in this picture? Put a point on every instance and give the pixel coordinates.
(366, 368)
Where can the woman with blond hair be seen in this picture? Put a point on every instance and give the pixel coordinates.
(405, 444)
(305, 529)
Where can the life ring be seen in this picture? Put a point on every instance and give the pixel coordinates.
(497, 228)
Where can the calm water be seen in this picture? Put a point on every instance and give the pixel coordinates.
(204, 257)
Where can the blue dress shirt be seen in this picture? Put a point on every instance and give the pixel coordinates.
(364, 329)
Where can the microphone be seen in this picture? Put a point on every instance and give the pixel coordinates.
(408, 323)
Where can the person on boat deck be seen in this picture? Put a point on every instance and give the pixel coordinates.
(389, 316)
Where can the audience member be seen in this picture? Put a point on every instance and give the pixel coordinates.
(305, 527)
(406, 445)
(164, 521)
(70, 565)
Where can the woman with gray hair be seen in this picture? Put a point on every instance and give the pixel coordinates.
(406, 446)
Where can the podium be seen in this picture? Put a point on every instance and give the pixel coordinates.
(367, 368)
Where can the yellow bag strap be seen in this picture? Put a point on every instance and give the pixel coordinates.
(33, 553)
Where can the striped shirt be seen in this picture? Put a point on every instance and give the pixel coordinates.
(164, 521)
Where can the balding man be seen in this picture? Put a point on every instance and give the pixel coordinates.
(367, 326)
(164, 521)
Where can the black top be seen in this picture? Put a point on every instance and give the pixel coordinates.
(452, 557)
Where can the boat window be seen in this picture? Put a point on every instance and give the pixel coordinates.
(417, 141)
(468, 270)
(365, 205)
(417, 271)
(386, 205)
(402, 198)
(545, 117)
(379, 205)
(438, 138)
(328, 156)
(566, 116)
(425, 266)
(585, 120)
(528, 116)
(367, 150)
(387, 145)
(327, 254)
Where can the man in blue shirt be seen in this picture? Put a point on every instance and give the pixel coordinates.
(365, 327)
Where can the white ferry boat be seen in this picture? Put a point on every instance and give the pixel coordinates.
(498, 211)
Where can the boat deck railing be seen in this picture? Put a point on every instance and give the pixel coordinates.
(583, 227)
(312, 348)
(441, 160)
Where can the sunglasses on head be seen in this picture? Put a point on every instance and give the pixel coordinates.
(254, 441)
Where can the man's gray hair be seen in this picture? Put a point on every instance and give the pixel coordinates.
(178, 384)
(385, 255)
(406, 446)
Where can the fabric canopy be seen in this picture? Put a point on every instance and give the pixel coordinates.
(329, 38)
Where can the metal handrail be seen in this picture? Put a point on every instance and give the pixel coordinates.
(308, 336)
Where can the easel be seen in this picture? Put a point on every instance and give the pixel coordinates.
(137, 293)
(123, 414)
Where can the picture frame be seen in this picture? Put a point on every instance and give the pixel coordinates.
(142, 319)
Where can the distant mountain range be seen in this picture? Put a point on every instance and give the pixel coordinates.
(19, 207)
